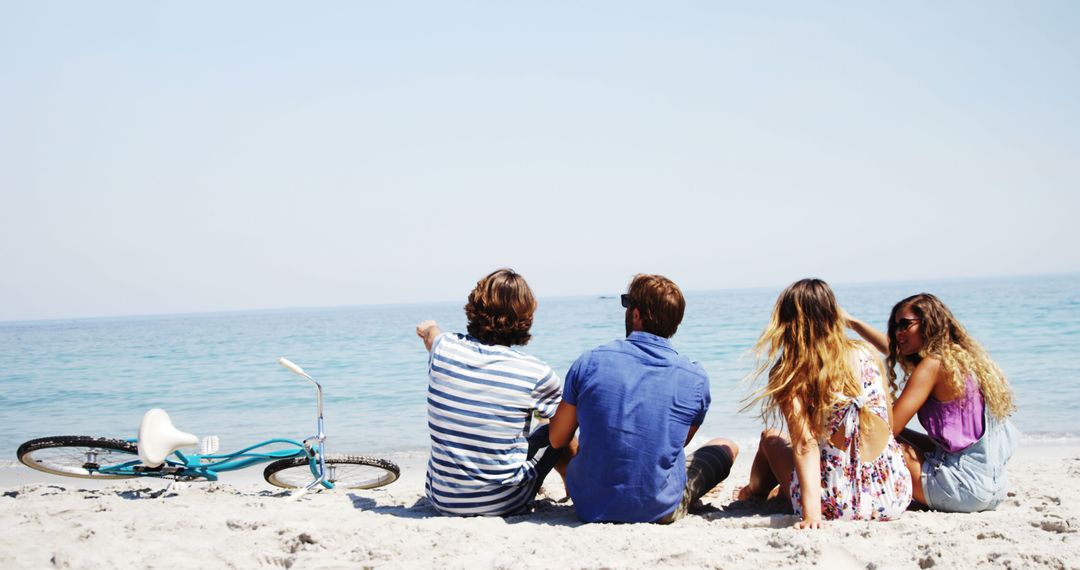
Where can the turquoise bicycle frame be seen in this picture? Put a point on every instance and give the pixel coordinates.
(198, 466)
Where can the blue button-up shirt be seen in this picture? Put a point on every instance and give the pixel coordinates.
(636, 399)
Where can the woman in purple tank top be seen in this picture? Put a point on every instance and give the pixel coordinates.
(962, 399)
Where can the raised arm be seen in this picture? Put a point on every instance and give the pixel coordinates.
(869, 333)
(807, 464)
(427, 331)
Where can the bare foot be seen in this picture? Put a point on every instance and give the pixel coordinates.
(715, 491)
(544, 493)
(743, 493)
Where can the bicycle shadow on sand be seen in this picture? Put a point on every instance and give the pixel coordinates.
(178, 491)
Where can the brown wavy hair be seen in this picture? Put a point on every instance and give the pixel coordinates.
(805, 350)
(500, 309)
(946, 339)
(660, 303)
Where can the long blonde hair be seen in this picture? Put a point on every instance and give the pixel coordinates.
(945, 339)
(805, 351)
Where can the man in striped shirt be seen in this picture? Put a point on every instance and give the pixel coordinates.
(481, 397)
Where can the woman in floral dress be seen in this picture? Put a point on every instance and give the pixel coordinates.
(830, 392)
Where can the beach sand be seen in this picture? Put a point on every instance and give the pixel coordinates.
(241, 523)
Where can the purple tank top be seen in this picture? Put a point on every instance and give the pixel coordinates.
(955, 424)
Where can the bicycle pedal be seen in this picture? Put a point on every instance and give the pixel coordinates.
(210, 444)
(145, 469)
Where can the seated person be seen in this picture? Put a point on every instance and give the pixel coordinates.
(841, 462)
(637, 403)
(481, 397)
(963, 401)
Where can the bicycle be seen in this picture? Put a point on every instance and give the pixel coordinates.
(156, 452)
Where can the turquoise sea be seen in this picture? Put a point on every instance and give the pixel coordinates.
(216, 373)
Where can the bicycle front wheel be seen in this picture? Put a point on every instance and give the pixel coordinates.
(77, 455)
(344, 471)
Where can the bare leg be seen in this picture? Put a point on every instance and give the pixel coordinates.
(771, 468)
(915, 439)
(761, 479)
(913, 457)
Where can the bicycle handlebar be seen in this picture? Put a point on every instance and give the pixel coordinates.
(292, 367)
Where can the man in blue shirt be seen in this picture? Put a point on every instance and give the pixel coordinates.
(638, 403)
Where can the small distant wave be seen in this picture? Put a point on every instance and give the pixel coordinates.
(407, 454)
(1049, 438)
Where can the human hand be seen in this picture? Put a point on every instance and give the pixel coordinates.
(425, 326)
(846, 317)
(427, 331)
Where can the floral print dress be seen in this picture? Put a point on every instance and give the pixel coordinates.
(853, 489)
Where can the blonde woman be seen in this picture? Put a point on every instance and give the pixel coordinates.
(963, 402)
(841, 461)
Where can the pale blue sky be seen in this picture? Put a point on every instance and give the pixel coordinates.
(176, 157)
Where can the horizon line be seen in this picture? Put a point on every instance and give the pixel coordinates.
(225, 312)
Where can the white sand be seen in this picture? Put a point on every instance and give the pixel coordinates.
(59, 522)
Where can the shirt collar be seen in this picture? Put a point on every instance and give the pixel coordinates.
(649, 338)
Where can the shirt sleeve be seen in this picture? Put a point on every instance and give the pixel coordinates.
(548, 394)
(436, 345)
(573, 380)
(706, 400)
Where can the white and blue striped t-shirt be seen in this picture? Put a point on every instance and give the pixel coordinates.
(480, 402)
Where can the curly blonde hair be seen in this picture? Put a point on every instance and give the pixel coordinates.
(960, 354)
(806, 353)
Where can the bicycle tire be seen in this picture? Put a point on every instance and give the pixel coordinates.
(66, 455)
(348, 472)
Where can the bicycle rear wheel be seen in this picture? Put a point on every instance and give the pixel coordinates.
(77, 455)
(344, 471)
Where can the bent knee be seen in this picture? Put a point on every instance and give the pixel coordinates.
(772, 437)
(772, 441)
(732, 447)
(770, 433)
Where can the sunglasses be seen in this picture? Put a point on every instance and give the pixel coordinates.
(905, 324)
(625, 298)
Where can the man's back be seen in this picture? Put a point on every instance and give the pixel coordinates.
(480, 401)
(636, 400)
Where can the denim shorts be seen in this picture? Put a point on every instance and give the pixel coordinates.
(973, 479)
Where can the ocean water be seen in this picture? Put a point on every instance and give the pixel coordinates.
(216, 374)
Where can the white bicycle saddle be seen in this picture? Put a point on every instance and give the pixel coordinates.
(158, 438)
